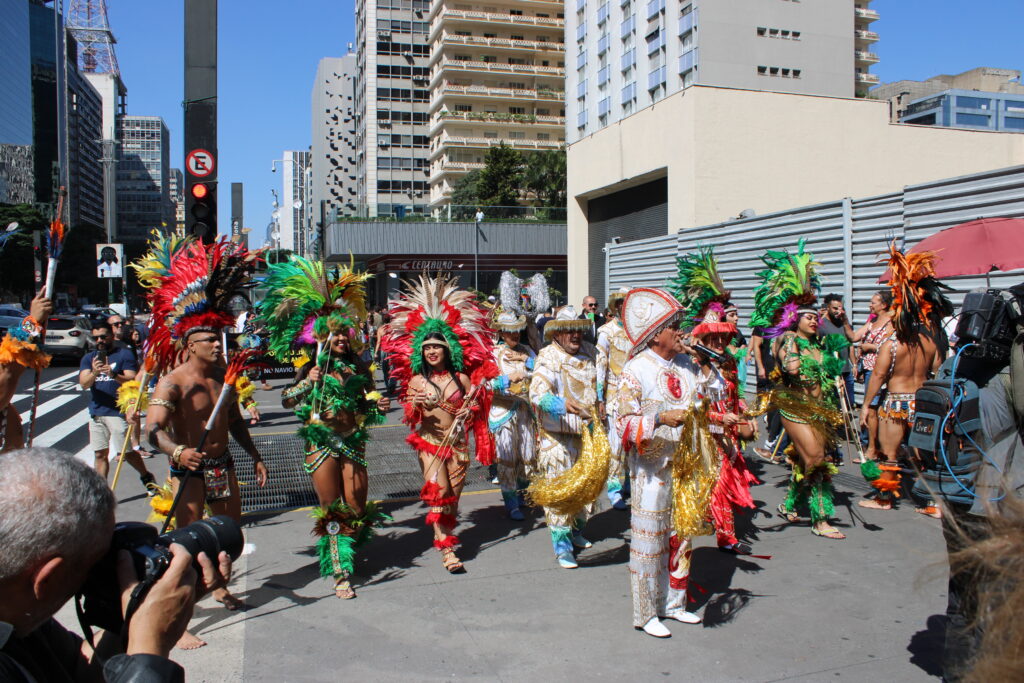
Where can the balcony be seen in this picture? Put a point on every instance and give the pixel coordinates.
(447, 142)
(465, 67)
(866, 36)
(867, 79)
(548, 6)
(446, 167)
(653, 7)
(495, 118)
(504, 94)
(500, 43)
(656, 78)
(863, 57)
(603, 43)
(687, 22)
(863, 14)
(447, 17)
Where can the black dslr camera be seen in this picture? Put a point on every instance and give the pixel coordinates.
(99, 600)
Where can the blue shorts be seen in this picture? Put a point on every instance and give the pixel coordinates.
(877, 400)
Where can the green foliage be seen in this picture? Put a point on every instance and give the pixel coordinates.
(465, 196)
(544, 175)
(501, 177)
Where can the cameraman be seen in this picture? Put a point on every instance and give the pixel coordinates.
(56, 521)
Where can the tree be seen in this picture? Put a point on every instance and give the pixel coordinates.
(500, 178)
(544, 175)
(465, 197)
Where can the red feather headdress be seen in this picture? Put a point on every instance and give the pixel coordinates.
(437, 305)
(917, 298)
(194, 293)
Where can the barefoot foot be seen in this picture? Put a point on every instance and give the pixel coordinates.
(189, 642)
(230, 602)
(875, 504)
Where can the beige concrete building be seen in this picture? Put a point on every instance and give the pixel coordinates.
(706, 154)
(497, 73)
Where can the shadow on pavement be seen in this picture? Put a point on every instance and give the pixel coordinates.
(926, 646)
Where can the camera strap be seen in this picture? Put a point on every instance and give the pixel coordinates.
(86, 628)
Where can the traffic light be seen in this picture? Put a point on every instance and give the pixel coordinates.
(201, 210)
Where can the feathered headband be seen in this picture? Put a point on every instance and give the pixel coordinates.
(307, 303)
(789, 286)
(436, 306)
(917, 298)
(528, 298)
(195, 292)
(700, 289)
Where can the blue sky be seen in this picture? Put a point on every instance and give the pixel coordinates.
(269, 50)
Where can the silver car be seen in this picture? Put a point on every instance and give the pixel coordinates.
(67, 335)
(11, 316)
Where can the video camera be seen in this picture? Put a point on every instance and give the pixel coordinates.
(99, 600)
(948, 406)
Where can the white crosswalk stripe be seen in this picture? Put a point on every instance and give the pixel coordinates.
(53, 404)
(46, 386)
(54, 434)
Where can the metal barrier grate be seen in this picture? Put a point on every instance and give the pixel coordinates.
(394, 471)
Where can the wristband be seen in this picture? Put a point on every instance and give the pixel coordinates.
(176, 456)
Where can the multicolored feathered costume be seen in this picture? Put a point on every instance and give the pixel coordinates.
(918, 307)
(700, 289)
(788, 290)
(436, 307)
(307, 307)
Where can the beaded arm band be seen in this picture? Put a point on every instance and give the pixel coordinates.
(164, 403)
(303, 387)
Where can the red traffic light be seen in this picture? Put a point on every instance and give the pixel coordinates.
(199, 191)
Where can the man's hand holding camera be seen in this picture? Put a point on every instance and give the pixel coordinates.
(164, 612)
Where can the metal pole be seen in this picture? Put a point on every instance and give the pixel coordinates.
(476, 257)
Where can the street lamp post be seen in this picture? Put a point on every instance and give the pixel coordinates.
(476, 249)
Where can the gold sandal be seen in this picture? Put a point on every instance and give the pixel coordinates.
(451, 562)
(343, 589)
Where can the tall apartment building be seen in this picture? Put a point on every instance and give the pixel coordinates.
(176, 194)
(497, 74)
(143, 177)
(333, 151)
(391, 102)
(69, 128)
(629, 54)
(16, 168)
(294, 214)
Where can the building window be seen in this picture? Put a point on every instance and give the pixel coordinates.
(517, 110)
(973, 102)
(762, 71)
(581, 119)
(979, 120)
(1013, 122)
(603, 106)
(543, 136)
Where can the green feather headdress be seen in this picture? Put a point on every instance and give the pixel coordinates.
(697, 283)
(306, 304)
(789, 282)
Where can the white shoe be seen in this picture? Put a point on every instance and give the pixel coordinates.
(655, 628)
(683, 616)
(580, 541)
(566, 561)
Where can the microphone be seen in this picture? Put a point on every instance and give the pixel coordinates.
(707, 353)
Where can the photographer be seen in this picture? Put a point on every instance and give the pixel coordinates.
(56, 521)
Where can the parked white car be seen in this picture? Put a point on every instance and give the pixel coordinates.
(67, 335)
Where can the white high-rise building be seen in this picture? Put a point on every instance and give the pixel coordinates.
(391, 103)
(333, 152)
(293, 219)
(626, 55)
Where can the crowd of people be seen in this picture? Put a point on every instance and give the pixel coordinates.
(643, 404)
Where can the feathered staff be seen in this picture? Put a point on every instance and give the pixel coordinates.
(54, 247)
(241, 362)
(6, 235)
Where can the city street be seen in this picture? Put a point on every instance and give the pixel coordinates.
(864, 609)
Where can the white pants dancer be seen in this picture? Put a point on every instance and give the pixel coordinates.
(659, 562)
(515, 450)
(556, 453)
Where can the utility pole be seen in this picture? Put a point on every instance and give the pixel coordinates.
(201, 119)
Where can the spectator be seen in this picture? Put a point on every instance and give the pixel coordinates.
(596, 319)
(870, 337)
(834, 321)
(102, 372)
(543, 320)
(43, 564)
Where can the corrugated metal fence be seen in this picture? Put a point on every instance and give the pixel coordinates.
(846, 236)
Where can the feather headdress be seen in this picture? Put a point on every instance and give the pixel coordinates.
(195, 292)
(917, 299)
(789, 286)
(700, 289)
(526, 298)
(307, 303)
(155, 264)
(436, 305)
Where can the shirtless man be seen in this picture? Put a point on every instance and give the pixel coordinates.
(181, 403)
(903, 365)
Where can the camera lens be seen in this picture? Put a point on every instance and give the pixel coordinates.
(210, 536)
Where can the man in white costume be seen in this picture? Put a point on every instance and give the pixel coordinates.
(658, 386)
(612, 352)
(511, 419)
(564, 391)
